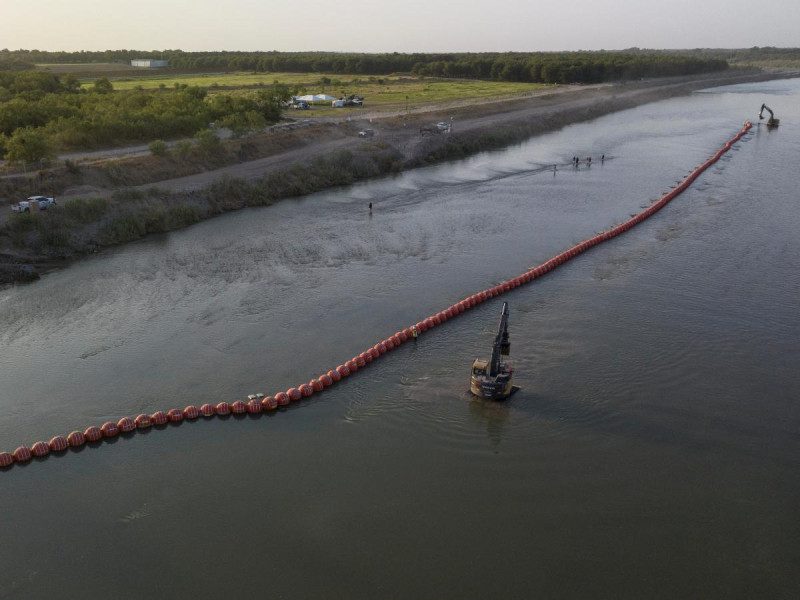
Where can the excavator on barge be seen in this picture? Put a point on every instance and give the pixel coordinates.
(772, 121)
(491, 379)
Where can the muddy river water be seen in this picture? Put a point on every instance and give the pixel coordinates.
(652, 452)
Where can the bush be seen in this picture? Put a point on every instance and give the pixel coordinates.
(85, 210)
(208, 144)
(28, 145)
(123, 229)
(103, 86)
(182, 149)
(157, 148)
(72, 167)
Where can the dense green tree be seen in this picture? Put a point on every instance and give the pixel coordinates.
(28, 145)
(103, 86)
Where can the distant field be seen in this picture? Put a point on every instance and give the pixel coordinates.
(154, 79)
(85, 68)
(770, 64)
(387, 91)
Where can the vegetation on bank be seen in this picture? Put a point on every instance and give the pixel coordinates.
(41, 112)
(85, 225)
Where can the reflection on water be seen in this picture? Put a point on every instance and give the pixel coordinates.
(651, 451)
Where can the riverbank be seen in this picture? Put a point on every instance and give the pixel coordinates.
(329, 154)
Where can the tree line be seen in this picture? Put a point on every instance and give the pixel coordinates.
(535, 67)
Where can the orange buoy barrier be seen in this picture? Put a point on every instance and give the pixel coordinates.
(58, 443)
(22, 454)
(191, 412)
(142, 421)
(258, 403)
(76, 439)
(40, 449)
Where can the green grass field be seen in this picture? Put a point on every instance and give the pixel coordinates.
(387, 91)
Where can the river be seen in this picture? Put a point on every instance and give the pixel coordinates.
(653, 450)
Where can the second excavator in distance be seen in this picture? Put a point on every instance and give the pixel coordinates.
(772, 121)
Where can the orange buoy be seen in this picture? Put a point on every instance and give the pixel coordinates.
(294, 394)
(316, 385)
(207, 410)
(238, 407)
(93, 434)
(142, 421)
(326, 380)
(76, 439)
(223, 408)
(40, 449)
(334, 375)
(126, 424)
(373, 353)
(306, 390)
(254, 406)
(269, 403)
(175, 415)
(159, 418)
(109, 429)
(22, 454)
(58, 443)
(191, 412)
(342, 370)
(366, 357)
(352, 365)
(6, 459)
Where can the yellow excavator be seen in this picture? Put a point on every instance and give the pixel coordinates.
(491, 379)
(772, 121)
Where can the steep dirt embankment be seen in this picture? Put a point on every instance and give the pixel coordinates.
(291, 163)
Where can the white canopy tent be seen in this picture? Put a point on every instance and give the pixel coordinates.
(317, 98)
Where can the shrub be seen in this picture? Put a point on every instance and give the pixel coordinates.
(28, 145)
(208, 144)
(182, 149)
(72, 167)
(157, 148)
(123, 229)
(85, 210)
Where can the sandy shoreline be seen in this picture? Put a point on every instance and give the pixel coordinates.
(398, 145)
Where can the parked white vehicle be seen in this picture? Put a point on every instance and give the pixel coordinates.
(35, 203)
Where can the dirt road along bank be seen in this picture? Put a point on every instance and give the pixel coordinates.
(321, 153)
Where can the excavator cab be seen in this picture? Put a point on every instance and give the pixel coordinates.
(479, 367)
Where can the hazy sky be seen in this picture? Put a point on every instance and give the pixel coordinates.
(397, 25)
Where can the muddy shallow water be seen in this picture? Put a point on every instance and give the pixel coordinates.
(652, 451)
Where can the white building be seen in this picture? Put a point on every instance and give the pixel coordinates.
(149, 63)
